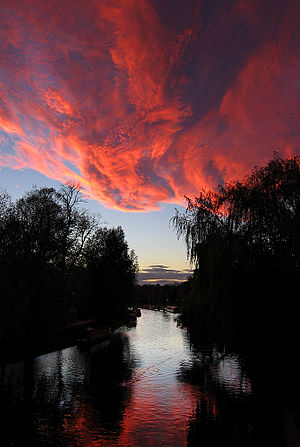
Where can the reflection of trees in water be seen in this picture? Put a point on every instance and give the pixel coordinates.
(98, 406)
(16, 403)
(66, 398)
(109, 372)
(227, 412)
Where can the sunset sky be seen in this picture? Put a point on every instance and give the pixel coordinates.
(145, 101)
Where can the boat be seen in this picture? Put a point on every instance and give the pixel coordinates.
(173, 309)
(131, 319)
(138, 312)
(131, 315)
(92, 336)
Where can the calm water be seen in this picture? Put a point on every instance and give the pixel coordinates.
(144, 388)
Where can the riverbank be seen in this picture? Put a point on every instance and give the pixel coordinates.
(16, 346)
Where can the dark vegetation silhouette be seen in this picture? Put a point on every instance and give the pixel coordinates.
(244, 241)
(111, 267)
(159, 296)
(58, 264)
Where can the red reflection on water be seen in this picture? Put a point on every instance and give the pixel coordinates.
(161, 420)
(80, 426)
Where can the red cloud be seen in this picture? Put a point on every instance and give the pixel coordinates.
(143, 102)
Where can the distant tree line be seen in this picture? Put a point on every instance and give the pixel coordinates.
(162, 295)
(244, 241)
(58, 263)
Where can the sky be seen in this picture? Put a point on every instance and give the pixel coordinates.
(144, 102)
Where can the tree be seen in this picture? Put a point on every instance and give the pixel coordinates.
(77, 224)
(54, 255)
(8, 229)
(112, 269)
(244, 242)
(40, 218)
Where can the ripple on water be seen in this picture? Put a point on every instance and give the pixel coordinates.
(142, 389)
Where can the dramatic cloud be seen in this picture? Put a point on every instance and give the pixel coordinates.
(146, 101)
(162, 274)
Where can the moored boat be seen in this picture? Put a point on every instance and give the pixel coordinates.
(131, 319)
(173, 309)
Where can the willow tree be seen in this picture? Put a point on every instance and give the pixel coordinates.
(243, 241)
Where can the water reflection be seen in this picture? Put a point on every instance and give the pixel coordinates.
(146, 387)
(67, 397)
(160, 406)
(228, 409)
(215, 370)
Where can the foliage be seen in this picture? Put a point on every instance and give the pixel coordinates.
(112, 269)
(244, 242)
(162, 295)
(49, 245)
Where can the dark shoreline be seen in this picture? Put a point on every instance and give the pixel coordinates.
(16, 347)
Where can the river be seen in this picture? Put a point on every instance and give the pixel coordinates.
(145, 387)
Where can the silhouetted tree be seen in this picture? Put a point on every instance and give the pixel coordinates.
(40, 220)
(112, 269)
(77, 224)
(53, 253)
(244, 243)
